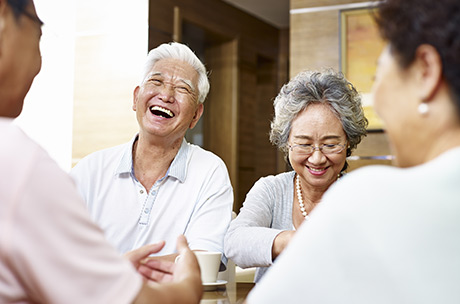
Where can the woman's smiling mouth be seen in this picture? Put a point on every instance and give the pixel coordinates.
(317, 171)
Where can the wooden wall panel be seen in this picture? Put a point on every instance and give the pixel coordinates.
(222, 18)
(314, 41)
(283, 77)
(266, 159)
(246, 120)
(222, 107)
(247, 135)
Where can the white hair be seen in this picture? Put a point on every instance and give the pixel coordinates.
(182, 52)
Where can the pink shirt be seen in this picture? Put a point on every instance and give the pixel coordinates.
(50, 250)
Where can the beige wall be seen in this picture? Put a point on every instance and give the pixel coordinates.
(109, 52)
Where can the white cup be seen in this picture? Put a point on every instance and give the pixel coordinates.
(209, 265)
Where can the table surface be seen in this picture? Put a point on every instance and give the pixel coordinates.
(230, 293)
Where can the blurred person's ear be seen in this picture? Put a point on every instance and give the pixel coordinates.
(428, 69)
(2, 17)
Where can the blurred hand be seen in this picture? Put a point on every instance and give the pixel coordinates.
(164, 269)
(182, 280)
(187, 265)
(137, 256)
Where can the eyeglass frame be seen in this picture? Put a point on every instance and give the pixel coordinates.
(319, 148)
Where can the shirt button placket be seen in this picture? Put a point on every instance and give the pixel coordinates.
(144, 219)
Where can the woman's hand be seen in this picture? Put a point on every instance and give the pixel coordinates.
(280, 242)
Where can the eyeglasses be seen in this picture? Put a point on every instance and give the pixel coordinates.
(307, 149)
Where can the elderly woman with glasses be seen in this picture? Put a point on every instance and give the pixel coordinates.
(318, 121)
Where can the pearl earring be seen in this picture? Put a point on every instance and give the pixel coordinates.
(423, 108)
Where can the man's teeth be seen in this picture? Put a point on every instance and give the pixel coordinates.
(156, 110)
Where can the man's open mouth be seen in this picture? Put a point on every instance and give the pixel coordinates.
(162, 112)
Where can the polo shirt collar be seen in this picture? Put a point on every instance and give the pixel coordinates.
(178, 168)
(126, 161)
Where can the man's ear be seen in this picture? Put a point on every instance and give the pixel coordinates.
(428, 69)
(196, 117)
(135, 93)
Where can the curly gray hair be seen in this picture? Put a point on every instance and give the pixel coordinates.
(327, 87)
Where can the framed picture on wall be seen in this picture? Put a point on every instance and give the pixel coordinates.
(360, 47)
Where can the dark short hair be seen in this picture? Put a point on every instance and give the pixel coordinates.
(18, 7)
(407, 24)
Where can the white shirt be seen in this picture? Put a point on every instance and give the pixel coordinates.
(380, 235)
(50, 250)
(195, 198)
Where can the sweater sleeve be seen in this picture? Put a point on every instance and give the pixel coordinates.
(249, 239)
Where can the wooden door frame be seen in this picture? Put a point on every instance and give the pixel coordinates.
(221, 125)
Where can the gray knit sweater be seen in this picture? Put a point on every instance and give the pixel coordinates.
(266, 212)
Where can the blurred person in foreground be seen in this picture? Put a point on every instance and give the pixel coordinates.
(158, 186)
(50, 250)
(387, 234)
(318, 122)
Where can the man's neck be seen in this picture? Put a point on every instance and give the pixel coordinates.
(151, 160)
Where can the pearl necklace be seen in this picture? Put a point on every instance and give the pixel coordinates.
(300, 198)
